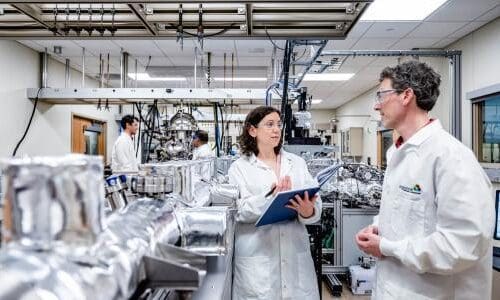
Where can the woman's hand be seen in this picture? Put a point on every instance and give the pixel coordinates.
(284, 184)
(305, 207)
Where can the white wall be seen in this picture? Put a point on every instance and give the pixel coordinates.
(359, 112)
(480, 67)
(50, 132)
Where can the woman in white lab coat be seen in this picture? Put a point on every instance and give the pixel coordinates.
(272, 261)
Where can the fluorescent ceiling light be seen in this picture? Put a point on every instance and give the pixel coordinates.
(328, 77)
(240, 79)
(400, 10)
(316, 101)
(146, 77)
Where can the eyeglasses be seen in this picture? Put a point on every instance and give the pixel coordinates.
(380, 94)
(270, 125)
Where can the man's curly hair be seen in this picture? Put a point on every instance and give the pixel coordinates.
(418, 76)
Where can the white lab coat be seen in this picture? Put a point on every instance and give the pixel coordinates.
(204, 151)
(123, 156)
(272, 261)
(436, 242)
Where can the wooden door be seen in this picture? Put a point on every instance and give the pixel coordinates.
(88, 136)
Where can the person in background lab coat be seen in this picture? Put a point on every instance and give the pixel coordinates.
(201, 147)
(272, 261)
(123, 156)
(434, 229)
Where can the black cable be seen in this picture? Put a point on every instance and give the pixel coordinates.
(221, 143)
(270, 39)
(29, 123)
(172, 26)
(138, 136)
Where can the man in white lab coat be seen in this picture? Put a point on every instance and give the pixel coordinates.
(123, 157)
(433, 233)
(201, 147)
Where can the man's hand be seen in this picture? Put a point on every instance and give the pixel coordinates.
(305, 207)
(368, 241)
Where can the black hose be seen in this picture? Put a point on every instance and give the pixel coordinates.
(29, 124)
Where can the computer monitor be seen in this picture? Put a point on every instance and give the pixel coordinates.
(496, 235)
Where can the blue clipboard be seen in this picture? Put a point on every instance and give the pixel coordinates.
(276, 211)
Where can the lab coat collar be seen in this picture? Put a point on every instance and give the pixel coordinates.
(423, 134)
(126, 135)
(286, 162)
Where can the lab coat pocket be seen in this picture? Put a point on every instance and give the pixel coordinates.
(252, 277)
(408, 212)
(307, 276)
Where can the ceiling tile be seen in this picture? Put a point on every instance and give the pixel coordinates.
(390, 29)
(32, 44)
(219, 45)
(252, 61)
(490, 15)
(257, 48)
(374, 44)
(359, 29)
(139, 47)
(467, 29)
(410, 43)
(96, 47)
(341, 44)
(443, 43)
(461, 10)
(436, 30)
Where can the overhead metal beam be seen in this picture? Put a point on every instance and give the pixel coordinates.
(184, 1)
(249, 18)
(35, 14)
(140, 94)
(445, 53)
(138, 11)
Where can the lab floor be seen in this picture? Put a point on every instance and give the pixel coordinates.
(346, 294)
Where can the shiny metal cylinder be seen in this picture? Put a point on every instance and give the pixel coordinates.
(53, 199)
(183, 183)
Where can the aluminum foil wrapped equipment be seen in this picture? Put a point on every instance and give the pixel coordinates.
(60, 246)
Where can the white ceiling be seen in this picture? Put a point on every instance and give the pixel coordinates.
(453, 20)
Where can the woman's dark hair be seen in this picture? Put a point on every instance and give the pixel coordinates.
(248, 144)
(418, 76)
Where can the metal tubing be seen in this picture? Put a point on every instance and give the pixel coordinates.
(456, 103)
(83, 67)
(124, 70)
(195, 65)
(67, 74)
(43, 67)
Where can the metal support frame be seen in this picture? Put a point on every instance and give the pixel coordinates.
(249, 18)
(31, 12)
(83, 67)
(246, 19)
(67, 74)
(44, 61)
(456, 90)
(310, 62)
(455, 58)
(130, 95)
(184, 1)
(138, 11)
(124, 70)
